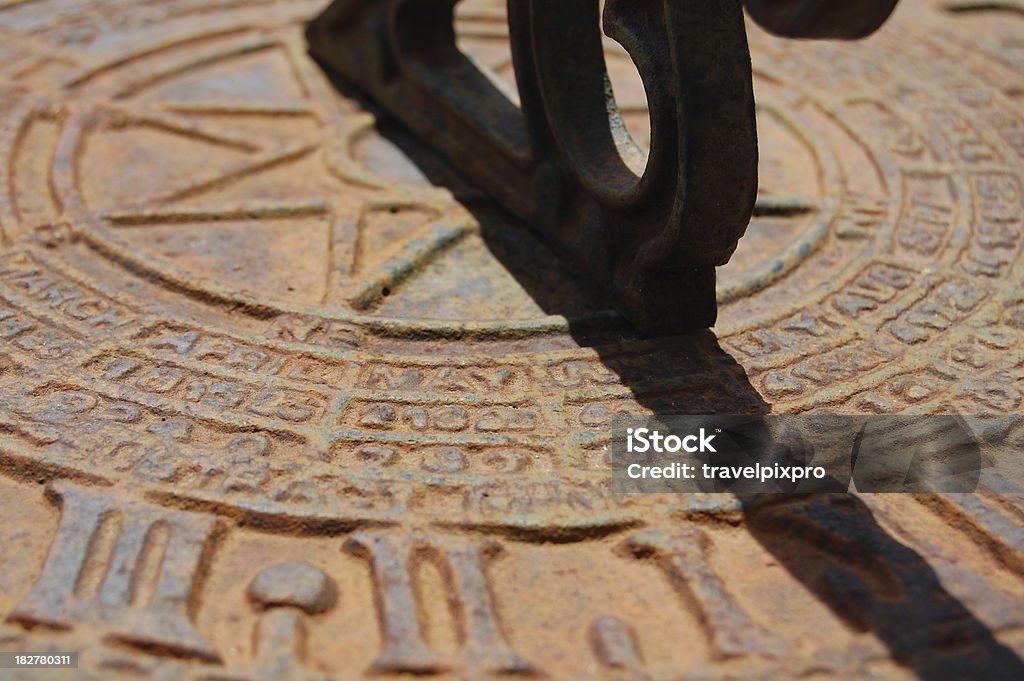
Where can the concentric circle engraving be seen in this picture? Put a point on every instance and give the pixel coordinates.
(271, 356)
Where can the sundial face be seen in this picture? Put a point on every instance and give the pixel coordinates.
(267, 364)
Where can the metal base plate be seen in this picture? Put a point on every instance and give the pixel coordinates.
(281, 396)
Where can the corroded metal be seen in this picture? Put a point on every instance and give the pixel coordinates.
(821, 18)
(323, 412)
(648, 233)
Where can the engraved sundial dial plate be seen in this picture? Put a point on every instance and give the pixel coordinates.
(268, 365)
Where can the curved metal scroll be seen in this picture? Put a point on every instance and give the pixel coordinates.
(648, 235)
(843, 19)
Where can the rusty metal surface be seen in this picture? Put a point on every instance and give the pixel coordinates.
(821, 18)
(281, 396)
(645, 232)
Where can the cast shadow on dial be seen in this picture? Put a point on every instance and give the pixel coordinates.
(831, 543)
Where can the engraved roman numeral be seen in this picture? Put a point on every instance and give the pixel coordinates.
(683, 557)
(130, 568)
(986, 522)
(394, 558)
(615, 647)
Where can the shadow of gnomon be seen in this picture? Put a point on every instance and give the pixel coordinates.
(830, 543)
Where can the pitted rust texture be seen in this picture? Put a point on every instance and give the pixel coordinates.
(645, 232)
(282, 397)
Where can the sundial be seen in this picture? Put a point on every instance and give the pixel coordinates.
(285, 393)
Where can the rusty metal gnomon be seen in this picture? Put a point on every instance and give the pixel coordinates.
(821, 18)
(648, 233)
